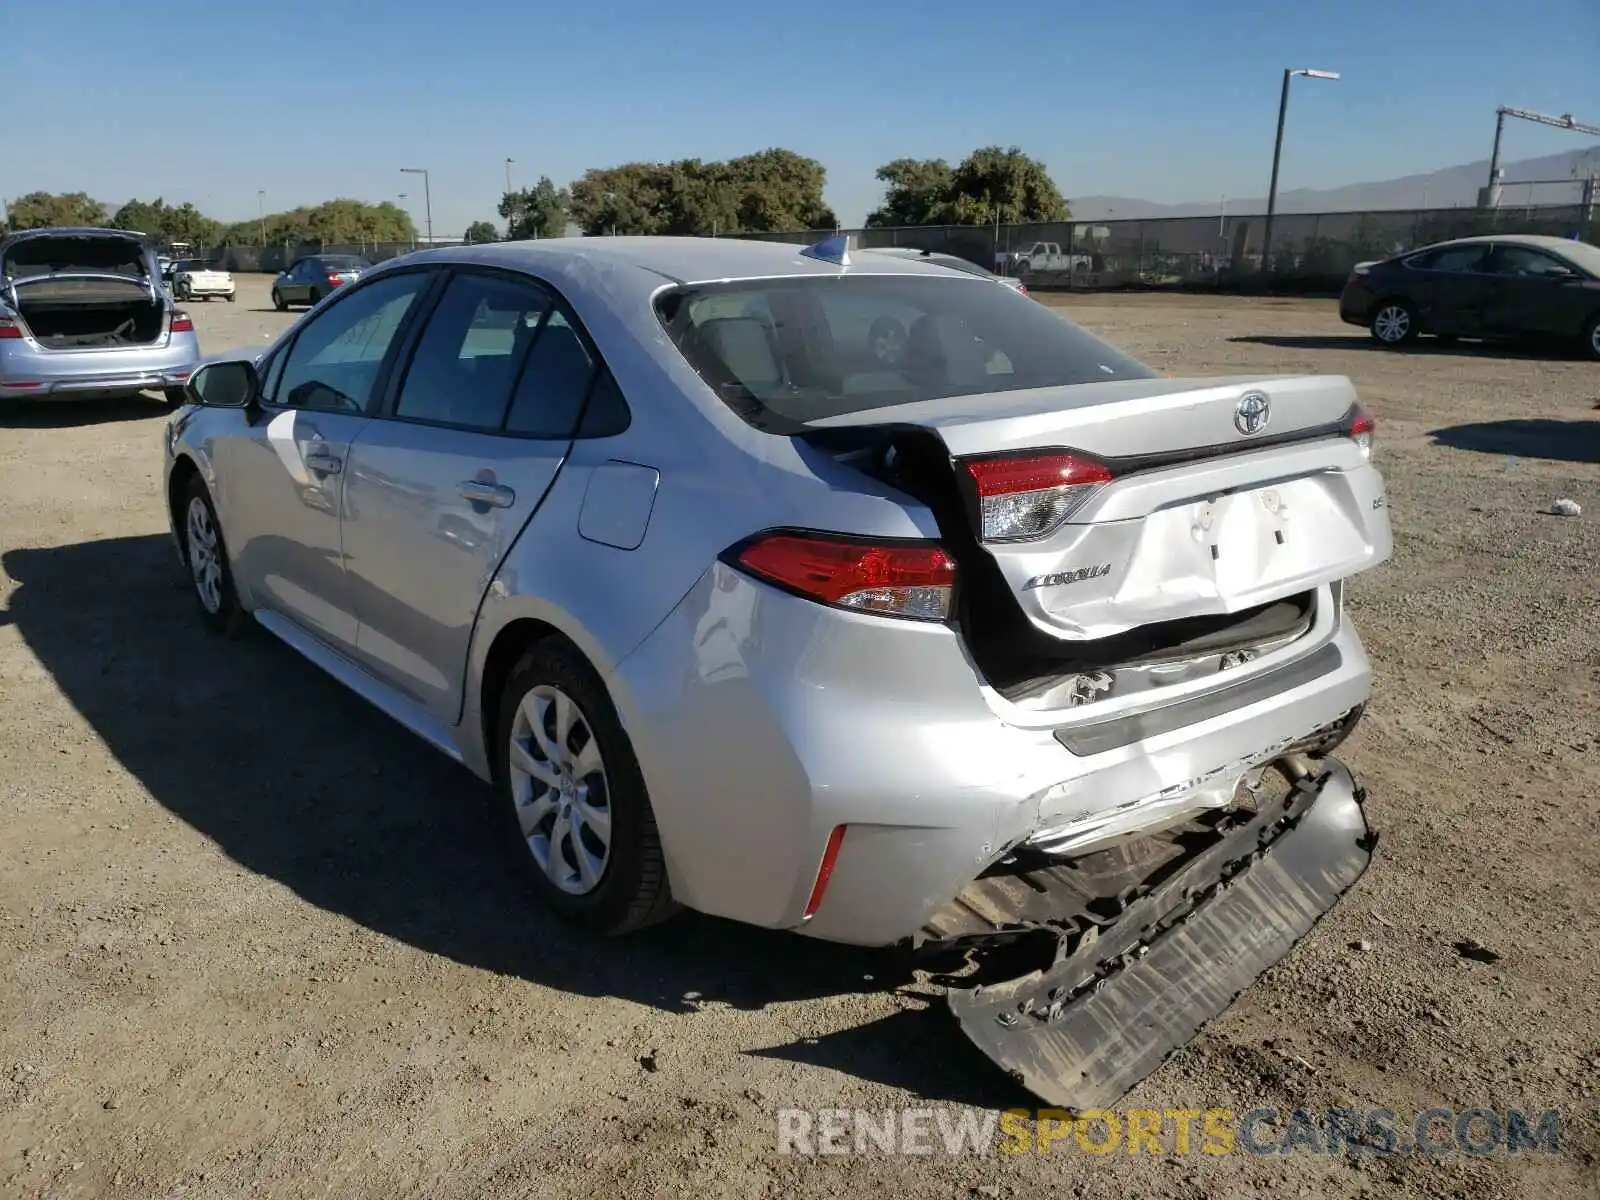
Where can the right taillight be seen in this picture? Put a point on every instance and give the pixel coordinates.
(1027, 496)
(1362, 428)
(9, 328)
(910, 579)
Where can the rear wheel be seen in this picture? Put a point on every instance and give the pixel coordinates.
(174, 397)
(207, 557)
(230, 297)
(278, 302)
(314, 298)
(573, 799)
(1394, 323)
(1591, 338)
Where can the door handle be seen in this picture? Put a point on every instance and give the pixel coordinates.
(323, 462)
(480, 491)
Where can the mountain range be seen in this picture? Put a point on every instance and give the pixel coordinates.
(1450, 187)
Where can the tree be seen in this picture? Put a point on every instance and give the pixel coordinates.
(169, 223)
(991, 184)
(42, 210)
(481, 231)
(333, 222)
(916, 193)
(536, 212)
(769, 191)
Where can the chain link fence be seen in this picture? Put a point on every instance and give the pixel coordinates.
(275, 258)
(1310, 251)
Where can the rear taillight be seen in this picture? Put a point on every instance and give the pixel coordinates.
(1362, 428)
(335, 280)
(9, 328)
(1026, 496)
(911, 579)
(182, 323)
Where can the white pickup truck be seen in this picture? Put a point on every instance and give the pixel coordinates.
(1040, 256)
(196, 280)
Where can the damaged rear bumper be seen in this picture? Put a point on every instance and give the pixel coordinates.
(1121, 996)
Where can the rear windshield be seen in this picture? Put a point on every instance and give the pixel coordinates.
(345, 264)
(785, 352)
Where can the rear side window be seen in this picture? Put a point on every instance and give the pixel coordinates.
(784, 352)
(466, 361)
(557, 378)
(1452, 259)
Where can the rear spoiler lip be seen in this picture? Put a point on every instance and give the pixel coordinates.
(849, 437)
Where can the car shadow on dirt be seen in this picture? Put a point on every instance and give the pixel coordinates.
(1558, 441)
(69, 414)
(299, 780)
(1427, 345)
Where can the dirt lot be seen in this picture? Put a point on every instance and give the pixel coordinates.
(255, 940)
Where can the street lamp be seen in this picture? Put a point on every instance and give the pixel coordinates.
(509, 161)
(1277, 152)
(427, 197)
(261, 212)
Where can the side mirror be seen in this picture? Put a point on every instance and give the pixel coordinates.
(225, 385)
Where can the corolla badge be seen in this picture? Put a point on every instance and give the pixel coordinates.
(1252, 412)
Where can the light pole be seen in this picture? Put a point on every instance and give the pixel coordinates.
(261, 212)
(509, 161)
(1277, 152)
(427, 198)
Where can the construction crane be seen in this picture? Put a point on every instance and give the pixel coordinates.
(1490, 196)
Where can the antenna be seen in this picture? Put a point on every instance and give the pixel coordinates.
(834, 250)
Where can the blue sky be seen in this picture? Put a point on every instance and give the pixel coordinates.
(1166, 100)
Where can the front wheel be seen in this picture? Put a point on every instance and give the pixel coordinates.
(1591, 338)
(175, 397)
(278, 302)
(573, 801)
(207, 558)
(1395, 323)
(230, 297)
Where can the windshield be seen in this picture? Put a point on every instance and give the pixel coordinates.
(785, 352)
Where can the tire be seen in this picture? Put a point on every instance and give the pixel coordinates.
(174, 397)
(1394, 322)
(278, 302)
(1591, 339)
(886, 339)
(214, 592)
(627, 888)
(230, 297)
(314, 299)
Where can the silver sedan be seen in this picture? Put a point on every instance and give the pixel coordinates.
(737, 616)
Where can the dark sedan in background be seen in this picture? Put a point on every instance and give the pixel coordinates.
(1502, 286)
(309, 279)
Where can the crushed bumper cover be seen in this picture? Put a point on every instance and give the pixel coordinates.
(1126, 995)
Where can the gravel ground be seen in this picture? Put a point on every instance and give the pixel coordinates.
(255, 940)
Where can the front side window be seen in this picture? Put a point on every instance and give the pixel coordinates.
(335, 360)
(1524, 263)
(785, 352)
(467, 358)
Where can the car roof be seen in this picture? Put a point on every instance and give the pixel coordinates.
(1537, 241)
(677, 260)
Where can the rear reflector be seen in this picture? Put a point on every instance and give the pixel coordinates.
(911, 579)
(181, 323)
(9, 328)
(824, 872)
(1023, 497)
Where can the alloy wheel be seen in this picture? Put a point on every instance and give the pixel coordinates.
(1392, 323)
(559, 788)
(205, 555)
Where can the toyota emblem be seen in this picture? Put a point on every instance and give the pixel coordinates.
(1250, 417)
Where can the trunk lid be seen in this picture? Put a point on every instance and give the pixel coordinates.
(1198, 497)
